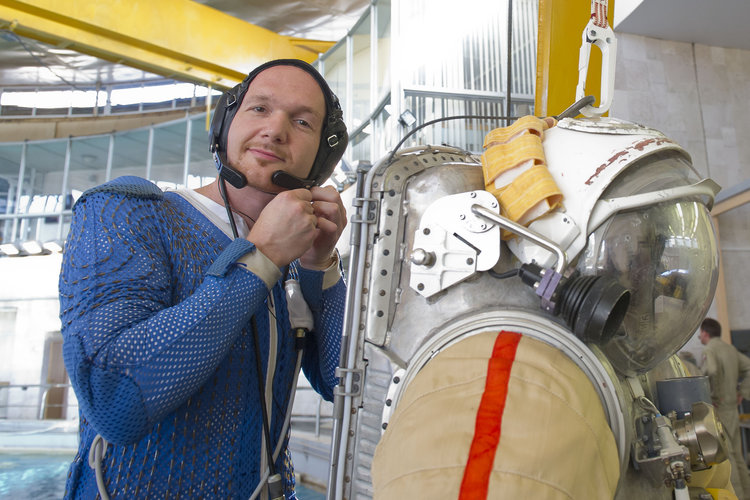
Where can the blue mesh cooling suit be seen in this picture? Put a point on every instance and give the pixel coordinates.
(156, 313)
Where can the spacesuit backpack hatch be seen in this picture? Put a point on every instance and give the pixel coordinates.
(492, 352)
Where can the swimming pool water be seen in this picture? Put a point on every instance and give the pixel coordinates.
(41, 476)
(33, 476)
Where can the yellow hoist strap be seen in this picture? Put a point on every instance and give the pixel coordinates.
(531, 195)
(515, 170)
(503, 161)
(530, 124)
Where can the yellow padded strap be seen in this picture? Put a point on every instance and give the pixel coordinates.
(515, 170)
(532, 187)
(500, 158)
(530, 124)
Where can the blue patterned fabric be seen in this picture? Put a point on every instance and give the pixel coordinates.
(160, 350)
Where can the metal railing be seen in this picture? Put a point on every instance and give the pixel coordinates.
(11, 399)
(317, 416)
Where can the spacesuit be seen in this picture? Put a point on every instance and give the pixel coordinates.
(487, 358)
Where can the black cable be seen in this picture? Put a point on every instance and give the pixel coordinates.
(446, 118)
(502, 276)
(274, 480)
(223, 192)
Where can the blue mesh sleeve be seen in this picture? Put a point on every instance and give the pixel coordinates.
(134, 351)
(323, 345)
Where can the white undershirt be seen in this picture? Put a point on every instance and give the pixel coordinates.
(215, 212)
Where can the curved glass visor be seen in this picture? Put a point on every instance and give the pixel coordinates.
(666, 255)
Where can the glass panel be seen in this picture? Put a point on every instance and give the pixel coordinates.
(359, 146)
(153, 96)
(334, 71)
(202, 170)
(13, 103)
(44, 162)
(385, 134)
(460, 51)
(465, 52)
(130, 153)
(88, 163)
(525, 26)
(361, 106)
(383, 8)
(10, 159)
(463, 133)
(168, 157)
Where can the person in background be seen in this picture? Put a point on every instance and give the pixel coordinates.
(176, 323)
(728, 372)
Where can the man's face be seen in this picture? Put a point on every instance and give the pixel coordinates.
(277, 126)
(703, 336)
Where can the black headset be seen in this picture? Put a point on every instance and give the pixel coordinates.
(333, 137)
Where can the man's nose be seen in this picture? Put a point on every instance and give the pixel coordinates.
(277, 127)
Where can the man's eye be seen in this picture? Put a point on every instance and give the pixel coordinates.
(304, 123)
(259, 109)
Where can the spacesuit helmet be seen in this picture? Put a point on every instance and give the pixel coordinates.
(658, 241)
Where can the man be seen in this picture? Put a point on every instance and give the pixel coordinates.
(727, 371)
(175, 321)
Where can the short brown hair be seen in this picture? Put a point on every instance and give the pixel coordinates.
(711, 327)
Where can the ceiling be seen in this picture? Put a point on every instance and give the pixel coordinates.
(721, 23)
(26, 62)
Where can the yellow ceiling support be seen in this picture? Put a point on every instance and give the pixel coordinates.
(561, 25)
(178, 39)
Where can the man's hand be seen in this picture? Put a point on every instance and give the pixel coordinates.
(286, 228)
(331, 214)
(300, 224)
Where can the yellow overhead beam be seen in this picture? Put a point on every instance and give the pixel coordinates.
(561, 25)
(178, 39)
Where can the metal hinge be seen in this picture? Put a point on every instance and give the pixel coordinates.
(356, 378)
(369, 209)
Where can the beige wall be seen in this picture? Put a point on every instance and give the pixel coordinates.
(698, 96)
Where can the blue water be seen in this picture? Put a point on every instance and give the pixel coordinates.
(32, 476)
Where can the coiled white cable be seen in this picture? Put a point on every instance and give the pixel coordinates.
(96, 455)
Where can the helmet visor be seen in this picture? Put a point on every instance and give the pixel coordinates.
(666, 255)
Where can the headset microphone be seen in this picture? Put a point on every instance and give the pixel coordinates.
(289, 181)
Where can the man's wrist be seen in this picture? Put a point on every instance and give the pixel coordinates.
(330, 262)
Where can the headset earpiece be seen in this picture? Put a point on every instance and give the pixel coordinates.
(223, 115)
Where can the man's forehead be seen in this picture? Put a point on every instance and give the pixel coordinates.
(267, 81)
(288, 72)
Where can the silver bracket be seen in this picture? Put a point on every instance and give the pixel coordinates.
(369, 210)
(452, 243)
(356, 386)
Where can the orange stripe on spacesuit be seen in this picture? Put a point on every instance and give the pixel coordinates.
(476, 478)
